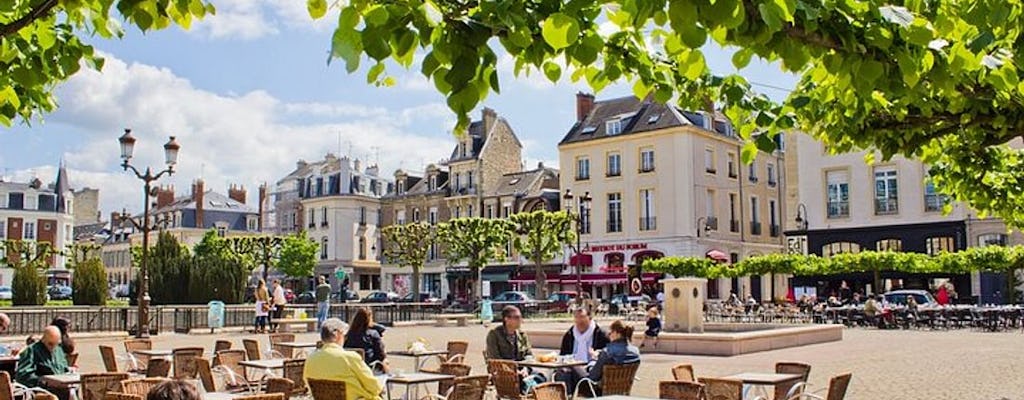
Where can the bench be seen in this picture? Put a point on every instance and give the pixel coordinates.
(285, 324)
(460, 319)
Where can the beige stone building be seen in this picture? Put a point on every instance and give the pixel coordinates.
(669, 182)
(87, 206)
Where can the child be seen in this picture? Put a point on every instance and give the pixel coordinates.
(653, 326)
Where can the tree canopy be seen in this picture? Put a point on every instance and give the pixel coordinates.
(477, 241)
(297, 257)
(406, 245)
(541, 236)
(932, 80)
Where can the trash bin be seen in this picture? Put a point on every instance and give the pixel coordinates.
(486, 312)
(215, 316)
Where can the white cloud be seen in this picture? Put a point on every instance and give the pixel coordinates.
(241, 19)
(243, 139)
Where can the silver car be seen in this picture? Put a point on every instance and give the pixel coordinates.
(923, 297)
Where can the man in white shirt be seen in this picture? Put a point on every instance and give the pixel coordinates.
(278, 300)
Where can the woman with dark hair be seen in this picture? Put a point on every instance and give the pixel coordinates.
(362, 335)
(619, 351)
(66, 342)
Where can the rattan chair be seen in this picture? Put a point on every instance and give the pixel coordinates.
(722, 389)
(505, 377)
(683, 373)
(284, 386)
(457, 370)
(836, 389)
(158, 368)
(615, 380)
(789, 389)
(204, 373)
(234, 372)
(281, 351)
(465, 388)
(109, 358)
(262, 396)
(137, 362)
(457, 350)
(295, 371)
(185, 362)
(44, 396)
(140, 386)
(252, 349)
(323, 389)
(549, 391)
(218, 347)
(96, 386)
(681, 390)
(122, 396)
(7, 389)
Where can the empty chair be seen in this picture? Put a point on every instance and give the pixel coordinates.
(682, 390)
(158, 368)
(683, 373)
(789, 389)
(137, 362)
(457, 350)
(457, 370)
(252, 349)
(185, 362)
(204, 373)
(505, 376)
(218, 347)
(549, 391)
(284, 386)
(295, 371)
(615, 380)
(230, 365)
(469, 388)
(140, 386)
(96, 386)
(122, 396)
(109, 358)
(278, 350)
(836, 388)
(323, 389)
(722, 389)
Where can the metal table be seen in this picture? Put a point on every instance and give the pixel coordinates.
(417, 356)
(761, 380)
(414, 379)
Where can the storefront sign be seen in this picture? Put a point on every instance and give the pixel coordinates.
(616, 247)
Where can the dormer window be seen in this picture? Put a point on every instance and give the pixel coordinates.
(433, 183)
(613, 127)
(462, 149)
(401, 186)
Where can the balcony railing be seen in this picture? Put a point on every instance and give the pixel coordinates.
(612, 173)
(582, 177)
(755, 228)
(312, 224)
(648, 224)
(711, 224)
(734, 225)
(646, 168)
(934, 202)
(772, 182)
(774, 230)
(886, 206)
(323, 224)
(838, 209)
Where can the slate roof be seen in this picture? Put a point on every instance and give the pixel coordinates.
(88, 231)
(637, 116)
(212, 201)
(523, 182)
(478, 136)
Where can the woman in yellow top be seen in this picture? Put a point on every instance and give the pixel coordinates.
(262, 306)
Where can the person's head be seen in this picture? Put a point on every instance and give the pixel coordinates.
(511, 317)
(261, 284)
(871, 297)
(62, 323)
(5, 322)
(51, 337)
(362, 321)
(910, 299)
(322, 280)
(581, 319)
(173, 390)
(277, 282)
(333, 330)
(652, 312)
(620, 331)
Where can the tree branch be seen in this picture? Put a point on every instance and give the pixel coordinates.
(40, 11)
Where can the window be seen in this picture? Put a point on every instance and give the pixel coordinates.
(458, 181)
(646, 160)
(834, 248)
(773, 223)
(47, 203)
(400, 217)
(734, 224)
(755, 217)
(323, 216)
(886, 193)
(312, 218)
(732, 165)
(614, 164)
(770, 171)
(614, 212)
(991, 239)
(584, 219)
(505, 210)
(709, 160)
(252, 224)
(647, 220)
(938, 244)
(932, 200)
(752, 174)
(29, 231)
(362, 215)
(469, 179)
(432, 216)
(362, 248)
(380, 217)
(490, 211)
(16, 201)
(613, 127)
(582, 168)
(432, 184)
(462, 149)
(3, 230)
(889, 245)
(401, 186)
(323, 248)
(838, 194)
(709, 203)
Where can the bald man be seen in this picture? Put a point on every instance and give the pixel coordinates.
(5, 322)
(42, 358)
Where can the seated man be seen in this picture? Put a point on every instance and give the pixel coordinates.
(580, 342)
(618, 352)
(332, 362)
(44, 357)
(507, 341)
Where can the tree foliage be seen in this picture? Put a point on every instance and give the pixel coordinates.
(169, 263)
(28, 260)
(541, 236)
(297, 256)
(407, 245)
(89, 286)
(43, 42)
(262, 250)
(216, 271)
(934, 80)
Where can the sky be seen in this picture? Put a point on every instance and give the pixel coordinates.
(248, 93)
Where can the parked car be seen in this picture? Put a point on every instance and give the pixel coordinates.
(424, 298)
(380, 297)
(559, 301)
(350, 296)
(923, 297)
(306, 297)
(59, 292)
(620, 300)
(522, 300)
(6, 293)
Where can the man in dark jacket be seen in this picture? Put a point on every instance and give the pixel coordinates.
(583, 337)
(42, 358)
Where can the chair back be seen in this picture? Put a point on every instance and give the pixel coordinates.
(205, 374)
(681, 390)
(262, 396)
(837, 386)
(185, 362)
(323, 389)
(618, 379)
(158, 368)
(505, 376)
(362, 353)
(109, 358)
(140, 386)
(683, 373)
(722, 389)
(6, 388)
(782, 390)
(295, 371)
(44, 396)
(280, 385)
(285, 352)
(457, 348)
(73, 361)
(458, 370)
(218, 347)
(96, 386)
(230, 361)
(549, 391)
(139, 362)
(122, 396)
(469, 388)
(252, 349)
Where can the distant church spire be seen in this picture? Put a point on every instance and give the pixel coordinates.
(62, 186)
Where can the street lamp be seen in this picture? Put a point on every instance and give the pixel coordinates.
(171, 148)
(580, 218)
(801, 217)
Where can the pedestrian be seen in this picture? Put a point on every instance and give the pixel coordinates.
(942, 295)
(279, 303)
(653, 327)
(323, 301)
(262, 306)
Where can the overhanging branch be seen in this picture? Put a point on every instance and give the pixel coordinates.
(40, 11)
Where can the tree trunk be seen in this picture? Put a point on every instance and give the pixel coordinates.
(476, 286)
(542, 281)
(416, 283)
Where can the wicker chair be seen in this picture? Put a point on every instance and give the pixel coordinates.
(96, 386)
(362, 353)
(137, 362)
(44, 395)
(122, 396)
(465, 388)
(458, 370)
(323, 389)
(681, 390)
(549, 391)
(789, 389)
(185, 362)
(109, 358)
(252, 349)
(457, 350)
(158, 368)
(615, 380)
(295, 371)
(281, 385)
(836, 388)
(505, 376)
(683, 373)
(218, 347)
(140, 386)
(722, 389)
(281, 351)
(234, 372)
(263, 396)
(7, 389)
(205, 374)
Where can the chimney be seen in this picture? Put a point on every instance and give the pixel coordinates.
(164, 196)
(301, 164)
(584, 104)
(198, 192)
(357, 165)
(114, 220)
(262, 205)
(489, 116)
(237, 193)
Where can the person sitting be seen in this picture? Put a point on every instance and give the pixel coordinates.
(653, 327)
(507, 341)
(362, 335)
(618, 352)
(580, 341)
(66, 342)
(872, 311)
(44, 357)
(332, 362)
(173, 389)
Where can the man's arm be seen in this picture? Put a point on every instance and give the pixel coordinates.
(492, 345)
(567, 343)
(365, 376)
(596, 370)
(26, 370)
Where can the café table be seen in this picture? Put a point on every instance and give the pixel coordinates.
(305, 347)
(414, 379)
(69, 381)
(417, 355)
(267, 366)
(153, 353)
(761, 380)
(9, 364)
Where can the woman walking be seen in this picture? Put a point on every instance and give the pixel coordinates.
(262, 306)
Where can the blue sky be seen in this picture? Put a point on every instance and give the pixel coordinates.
(248, 92)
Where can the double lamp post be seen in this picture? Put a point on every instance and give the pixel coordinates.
(127, 142)
(581, 217)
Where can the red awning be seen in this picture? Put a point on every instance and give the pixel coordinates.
(581, 259)
(718, 255)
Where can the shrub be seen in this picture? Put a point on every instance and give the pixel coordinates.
(90, 283)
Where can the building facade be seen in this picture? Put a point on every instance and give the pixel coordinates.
(668, 182)
(837, 203)
(87, 206)
(35, 212)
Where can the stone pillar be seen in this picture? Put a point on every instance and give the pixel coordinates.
(684, 304)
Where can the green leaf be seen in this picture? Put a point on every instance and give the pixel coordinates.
(693, 36)
(749, 152)
(552, 71)
(317, 8)
(560, 30)
(741, 58)
(870, 71)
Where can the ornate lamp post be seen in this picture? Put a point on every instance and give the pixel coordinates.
(171, 159)
(580, 218)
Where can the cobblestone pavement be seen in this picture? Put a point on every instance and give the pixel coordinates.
(885, 364)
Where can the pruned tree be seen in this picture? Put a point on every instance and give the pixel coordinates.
(297, 256)
(477, 241)
(407, 245)
(169, 271)
(263, 250)
(540, 236)
(217, 272)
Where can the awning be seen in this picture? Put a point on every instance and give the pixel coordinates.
(494, 277)
(718, 255)
(529, 279)
(590, 279)
(581, 259)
